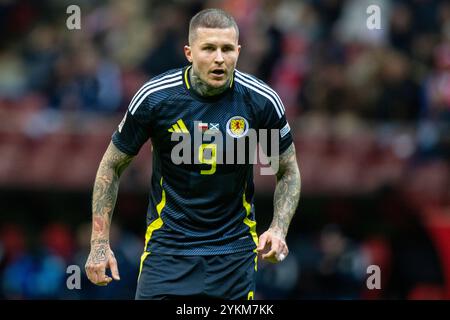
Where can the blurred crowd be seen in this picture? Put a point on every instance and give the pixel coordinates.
(318, 54)
(36, 265)
(370, 109)
(330, 266)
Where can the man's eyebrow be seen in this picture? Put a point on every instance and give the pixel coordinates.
(206, 44)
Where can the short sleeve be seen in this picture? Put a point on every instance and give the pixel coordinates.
(274, 117)
(133, 131)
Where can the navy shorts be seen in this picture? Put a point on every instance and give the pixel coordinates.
(230, 277)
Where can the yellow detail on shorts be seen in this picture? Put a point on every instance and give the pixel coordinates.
(251, 296)
(155, 225)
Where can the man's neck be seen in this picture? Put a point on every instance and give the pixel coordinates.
(203, 88)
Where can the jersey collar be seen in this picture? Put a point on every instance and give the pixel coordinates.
(192, 92)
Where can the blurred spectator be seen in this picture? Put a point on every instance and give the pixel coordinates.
(38, 273)
(12, 239)
(437, 86)
(57, 239)
(331, 266)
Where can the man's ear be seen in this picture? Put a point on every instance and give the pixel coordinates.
(188, 53)
(239, 48)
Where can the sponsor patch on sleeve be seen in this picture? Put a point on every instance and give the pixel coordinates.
(285, 130)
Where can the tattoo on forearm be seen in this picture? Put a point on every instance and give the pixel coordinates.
(99, 241)
(287, 191)
(98, 224)
(106, 187)
(203, 88)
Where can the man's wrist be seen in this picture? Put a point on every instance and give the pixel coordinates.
(278, 232)
(99, 241)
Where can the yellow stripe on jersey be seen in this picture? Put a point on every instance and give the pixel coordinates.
(251, 224)
(155, 225)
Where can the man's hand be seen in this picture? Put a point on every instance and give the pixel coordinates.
(272, 246)
(100, 258)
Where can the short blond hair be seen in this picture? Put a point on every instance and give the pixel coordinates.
(211, 18)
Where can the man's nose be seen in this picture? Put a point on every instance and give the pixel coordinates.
(219, 56)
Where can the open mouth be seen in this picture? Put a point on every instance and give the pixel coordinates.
(218, 72)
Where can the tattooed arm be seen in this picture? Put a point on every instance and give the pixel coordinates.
(272, 243)
(104, 197)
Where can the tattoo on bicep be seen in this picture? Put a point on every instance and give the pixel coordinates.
(286, 160)
(116, 159)
(123, 164)
(287, 191)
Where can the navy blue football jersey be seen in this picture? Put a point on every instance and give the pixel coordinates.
(202, 206)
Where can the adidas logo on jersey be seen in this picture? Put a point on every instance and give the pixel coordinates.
(179, 127)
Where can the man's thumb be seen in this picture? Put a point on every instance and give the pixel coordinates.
(114, 269)
(262, 242)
